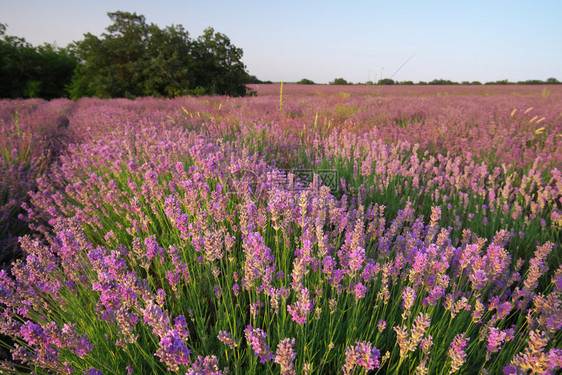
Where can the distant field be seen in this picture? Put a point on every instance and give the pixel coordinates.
(375, 90)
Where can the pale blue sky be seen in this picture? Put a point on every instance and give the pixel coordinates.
(483, 40)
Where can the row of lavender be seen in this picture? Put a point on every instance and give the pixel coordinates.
(175, 239)
(33, 132)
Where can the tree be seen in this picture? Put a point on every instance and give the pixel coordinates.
(339, 81)
(28, 72)
(218, 65)
(500, 82)
(134, 58)
(531, 82)
(552, 81)
(306, 81)
(442, 82)
(386, 81)
(253, 79)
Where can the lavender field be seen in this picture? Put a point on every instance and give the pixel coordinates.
(305, 230)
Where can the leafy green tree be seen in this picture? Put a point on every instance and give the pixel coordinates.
(386, 81)
(28, 72)
(443, 82)
(253, 79)
(16, 60)
(218, 66)
(306, 81)
(500, 82)
(553, 81)
(339, 81)
(134, 58)
(531, 82)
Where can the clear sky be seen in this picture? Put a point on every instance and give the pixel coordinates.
(484, 40)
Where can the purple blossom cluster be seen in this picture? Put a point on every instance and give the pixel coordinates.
(457, 352)
(362, 354)
(256, 339)
(285, 356)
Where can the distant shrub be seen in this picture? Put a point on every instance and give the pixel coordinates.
(339, 81)
(386, 81)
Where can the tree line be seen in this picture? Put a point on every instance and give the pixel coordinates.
(131, 58)
(388, 81)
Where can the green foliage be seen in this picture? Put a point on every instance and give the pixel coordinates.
(218, 66)
(443, 82)
(134, 58)
(306, 81)
(339, 81)
(500, 82)
(30, 72)
(253, 79)
(386, 81)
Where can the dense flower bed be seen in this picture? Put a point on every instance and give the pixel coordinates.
(298, 234)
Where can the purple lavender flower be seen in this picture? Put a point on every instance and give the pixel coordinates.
(156, 318)
(408, 297)
(180, 325)
(285, 356)
(457, 352)
(173, 278)
(435, 214)
(495, 339)
(360, 291)
(68, 369)
(226, 338)
(208, 365)
(478, 279)
(33, 333)
(255, 308)
(152, 248)
(355, 259)
(172, 350)
(363, 355)
(257, 340)
(300, 310)
(236, 289)
(258, 260)
(160, 296)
